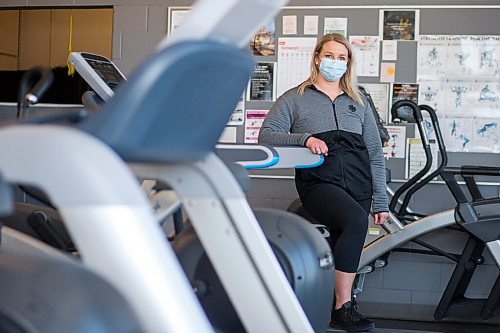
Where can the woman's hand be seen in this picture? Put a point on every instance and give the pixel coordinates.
(380, 218)
(317, 146)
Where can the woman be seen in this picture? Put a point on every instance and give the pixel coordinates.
(327, 114)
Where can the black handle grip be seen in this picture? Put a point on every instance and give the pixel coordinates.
(33, 85)
(45, 79)
(417, 115)
(478, 170)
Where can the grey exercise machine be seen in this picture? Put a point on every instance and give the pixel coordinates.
(104, 219)
(399, 229)
(297, 255)
(182, 158)
(478, 217)
(45, 291)
(159, 136)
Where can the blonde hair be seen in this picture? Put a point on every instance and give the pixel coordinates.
(348, 82)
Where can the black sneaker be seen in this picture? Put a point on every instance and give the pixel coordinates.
(349, 319)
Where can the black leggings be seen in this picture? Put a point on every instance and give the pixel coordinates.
(346, 218)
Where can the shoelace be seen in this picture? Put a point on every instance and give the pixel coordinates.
(353, 312)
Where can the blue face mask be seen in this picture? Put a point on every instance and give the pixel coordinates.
(332, 70)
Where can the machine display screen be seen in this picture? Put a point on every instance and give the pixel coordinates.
(107, 72)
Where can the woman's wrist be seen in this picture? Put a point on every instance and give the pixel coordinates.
(307, 138)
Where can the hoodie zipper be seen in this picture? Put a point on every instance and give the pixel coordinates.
(337, 143)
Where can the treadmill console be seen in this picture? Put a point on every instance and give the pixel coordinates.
(99, 72)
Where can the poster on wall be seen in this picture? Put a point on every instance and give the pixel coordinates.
(311, 24)
(253, 123)
(399, 24)
(396, 145)
(366, 53)
(432, 93)
(336, 25)
(457, 134)
(476, 134)
(379, 93)
(405, 91)
(263, 42)
(228, 135)
(389, 50)
(294, 60)
(176, 18)
(238, 115)
(459, 76)
(387, 72)
(486, 135)
(416, 158)
(458, 57)
(261, 86)
(290, 25)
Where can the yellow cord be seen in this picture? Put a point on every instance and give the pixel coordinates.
(71, 69)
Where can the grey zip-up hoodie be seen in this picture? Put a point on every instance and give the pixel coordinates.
(355, 159)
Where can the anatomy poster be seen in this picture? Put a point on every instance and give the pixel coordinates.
(478, 134)
(459, 76)
(459, 97)
(457, 133)
(431, 93)
(487, 98)
(458, 56)
(486, 135)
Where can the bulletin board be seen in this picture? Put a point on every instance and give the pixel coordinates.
(397, 54)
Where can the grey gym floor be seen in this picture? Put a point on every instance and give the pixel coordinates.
(406, 326)
(418, 319)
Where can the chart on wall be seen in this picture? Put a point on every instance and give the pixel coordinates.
(294, 59)
(459, 76)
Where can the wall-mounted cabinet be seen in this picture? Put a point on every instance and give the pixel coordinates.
(32, 37)
(41, 37)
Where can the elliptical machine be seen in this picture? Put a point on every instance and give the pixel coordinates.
(475, 215)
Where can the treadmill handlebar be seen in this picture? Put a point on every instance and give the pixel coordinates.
(473, 170)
